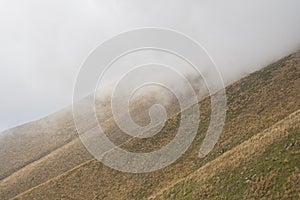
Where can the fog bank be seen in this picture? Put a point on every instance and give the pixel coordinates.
(43, 43)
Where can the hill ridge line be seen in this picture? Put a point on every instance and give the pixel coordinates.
(74, 139)
(170, 186)
(82, 164)
(7, 175)
(46, 154)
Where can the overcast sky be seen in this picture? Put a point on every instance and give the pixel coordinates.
(43, 43)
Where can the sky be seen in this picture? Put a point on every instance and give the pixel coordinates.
(44, 43)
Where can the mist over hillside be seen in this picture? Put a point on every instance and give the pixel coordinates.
(149, 100)
(44, 43)
(257, 155)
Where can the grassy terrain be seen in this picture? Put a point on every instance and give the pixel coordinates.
(257, 104)
(265, 166)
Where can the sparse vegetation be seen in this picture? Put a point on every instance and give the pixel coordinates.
(257, 155)
(270, 170)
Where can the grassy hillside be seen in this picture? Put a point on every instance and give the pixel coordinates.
(266, 165)
(258, 105)
(25, 144)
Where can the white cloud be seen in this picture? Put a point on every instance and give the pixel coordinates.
(43, 43)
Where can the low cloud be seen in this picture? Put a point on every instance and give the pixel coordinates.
(43, 43)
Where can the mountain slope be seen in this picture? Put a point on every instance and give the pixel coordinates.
(255, 103)
(266, 165)
(23, 145)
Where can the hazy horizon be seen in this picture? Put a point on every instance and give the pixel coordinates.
(45, 43)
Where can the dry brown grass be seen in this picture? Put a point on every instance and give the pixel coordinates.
(255, 103)
(241, 155)
(25, 144)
